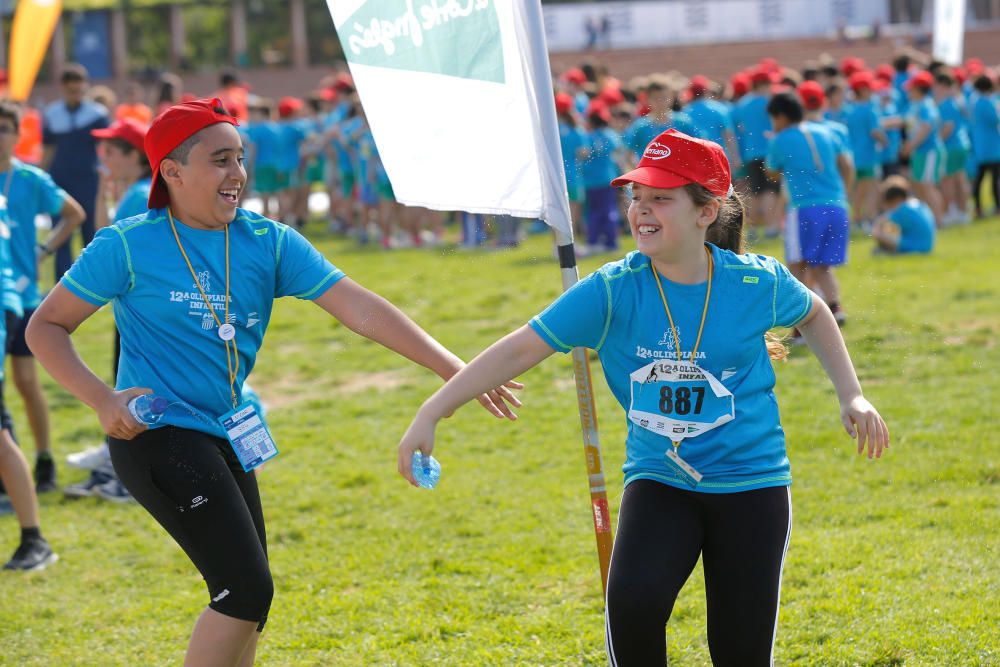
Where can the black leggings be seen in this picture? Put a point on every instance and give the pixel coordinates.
(742, 539)
(994, 169)
(194, 486)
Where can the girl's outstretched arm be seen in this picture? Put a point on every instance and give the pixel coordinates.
(505, 359)
(861, 419)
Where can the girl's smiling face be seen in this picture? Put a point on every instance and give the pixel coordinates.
(663, 220)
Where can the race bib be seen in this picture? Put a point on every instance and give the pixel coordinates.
(678, 400)
(249, 436)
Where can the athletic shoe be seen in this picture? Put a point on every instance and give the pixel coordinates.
(45, 474)
(90, 458)
(87, 487)
(838, 314)
(114, 491)
(32, 555)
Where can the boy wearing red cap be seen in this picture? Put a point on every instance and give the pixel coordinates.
(867, 137)
(954, 131)
(680, 326)
(923, 142)
(753, 129)
(192, 283)
(28, 192)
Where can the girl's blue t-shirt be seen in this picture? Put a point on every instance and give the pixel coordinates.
(169, 339)
(924, 112)
(135, 200)
(862, 120)
(617, 311)
(600, 167)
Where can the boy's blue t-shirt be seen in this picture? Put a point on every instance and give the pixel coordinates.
(571, 139)
(267, 141)
(135, 200)
(600, 167)
(169, 339)
(812, 177)
(924, 112)
(952, 110)
(712, 119)
(753, 126)
(841, 115)
(293, 133)
(916, 226)
(985, 129)
(889, 154)
(32, 192)
(617, 311)
(644, 129)
(862, 120)
(346, 149)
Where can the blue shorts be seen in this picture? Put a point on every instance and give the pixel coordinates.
(817, 235)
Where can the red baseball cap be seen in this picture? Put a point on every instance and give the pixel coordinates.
(699, 85)
(812, 95)
(575, 75)
(761, 75)
(850, 65)
(612, 96)
(674, 159)
(922, 79)
(885, 72)
(171, 129)
(126, 130)
(344, 82)
(288, 105)
(974, 65)
(740, 84)
(563, 102)
(860, 79)
(599, 108)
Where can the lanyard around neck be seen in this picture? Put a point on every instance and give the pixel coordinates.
(233, 366)
(670, 318)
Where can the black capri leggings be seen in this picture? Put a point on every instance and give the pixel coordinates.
(194, 486)
(977, 188)
(742, 539)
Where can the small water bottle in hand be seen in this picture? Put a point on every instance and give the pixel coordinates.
(426, 470)
(147, 409)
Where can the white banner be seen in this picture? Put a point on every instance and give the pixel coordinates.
(949, 31)
(458, 94)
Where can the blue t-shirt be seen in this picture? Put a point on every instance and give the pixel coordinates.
(134, 201)
(812, 175)
(617, 311)
(600, 167)
(644, 129)
(924, 112)
(862, 120)
(293, 133)
(888, 111)
(267, 143)
(712, 119)
(753, 126)
(916, 225)
(169, 339)
(571, 139)
(952, 110)
(840, 115)
(985, 129)
(68, 132)
(32, 192)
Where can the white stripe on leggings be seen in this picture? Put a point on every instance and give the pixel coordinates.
(609, 645)
(788, 537)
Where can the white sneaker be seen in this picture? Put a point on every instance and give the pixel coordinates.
(91, 457)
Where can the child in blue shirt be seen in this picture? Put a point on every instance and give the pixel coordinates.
(867, 137)
(572, 141)
(681, 326)
(907, 226)
(659, 119)
(923, 142)
(985, 139)
(193, 283)
(263, 151)
(955, 136)
(605, 153)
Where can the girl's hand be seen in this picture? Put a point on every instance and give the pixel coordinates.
(116, 420)
(419, 437)
(862, 421)
(495, 401)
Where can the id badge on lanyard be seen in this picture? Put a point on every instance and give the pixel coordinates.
(678, 400)
(249, 436)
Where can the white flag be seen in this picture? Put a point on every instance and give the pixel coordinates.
(458, 94)
(949, 30)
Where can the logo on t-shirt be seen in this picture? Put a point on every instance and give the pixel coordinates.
(205, 279)
(656, 151)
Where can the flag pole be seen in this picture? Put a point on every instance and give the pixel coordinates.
(557, 214)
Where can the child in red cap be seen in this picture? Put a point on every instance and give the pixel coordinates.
(192, 284)
(681, 327)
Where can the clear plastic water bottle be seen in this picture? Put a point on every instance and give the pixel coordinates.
(147, 409)
(426, 470)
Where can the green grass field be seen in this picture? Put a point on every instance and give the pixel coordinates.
(891, 563)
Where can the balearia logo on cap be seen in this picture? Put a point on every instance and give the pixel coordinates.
(656, 151)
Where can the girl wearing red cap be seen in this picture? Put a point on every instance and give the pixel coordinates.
(192, 284)
(681, 326)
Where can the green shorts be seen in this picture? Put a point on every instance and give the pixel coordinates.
(316, 171)
(955, 161)
(347, 181)
(265, 180)
(926, 167)
(384, 190)
(861, 174)
(289, 179)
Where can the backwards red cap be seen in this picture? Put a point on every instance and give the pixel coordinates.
(674, 159)
(699, 85)
(860, 79)
(171, 129)
(812, 95)
(563, 103)
(922, 79)
(126, 129)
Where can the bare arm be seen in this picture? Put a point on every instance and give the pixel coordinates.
(845, 165)
(733, 149)
(946, 129)
(859, 417)
(72, 216)
(918, 137)
(48, 336)
(505, 359)
(369, 315)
